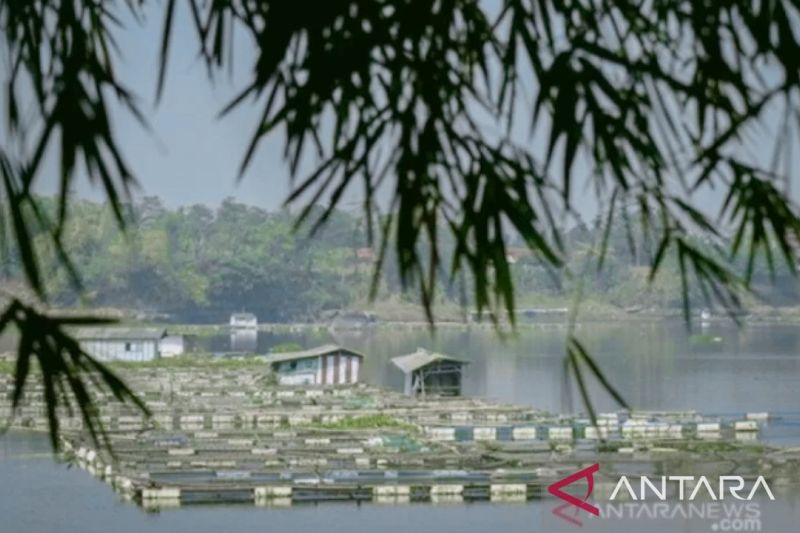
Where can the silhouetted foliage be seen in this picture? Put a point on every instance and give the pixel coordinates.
(642, 103)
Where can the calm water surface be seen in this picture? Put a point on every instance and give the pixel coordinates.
(655, 366)
(717, 370)
(38, 495)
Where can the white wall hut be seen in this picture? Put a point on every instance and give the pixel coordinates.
(121, 344)
(244, 320)
(430, 373)
(324, 365)
(172, 345)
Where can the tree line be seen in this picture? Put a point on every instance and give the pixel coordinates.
(198, 264)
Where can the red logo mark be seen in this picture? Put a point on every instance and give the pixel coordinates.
(555, 490)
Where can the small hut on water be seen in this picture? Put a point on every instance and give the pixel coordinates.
(121, 343)
(430, 373)
(243, 321)
(325, 365)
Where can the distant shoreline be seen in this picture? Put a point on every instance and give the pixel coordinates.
(750, 318)
(409, 317)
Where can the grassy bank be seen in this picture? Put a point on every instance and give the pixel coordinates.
(366, 422)
(193, 361)
(188, 361)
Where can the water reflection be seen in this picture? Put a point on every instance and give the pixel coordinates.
(655, 365)
(721, 370)
(40, 496)
(244, 341)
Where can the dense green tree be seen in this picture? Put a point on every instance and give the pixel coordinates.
(197, 264)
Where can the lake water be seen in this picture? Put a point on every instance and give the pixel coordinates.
(38, 495)
(719, 369)
(654, 365)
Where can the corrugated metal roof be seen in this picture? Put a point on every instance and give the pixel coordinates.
(420, 358)
(120, 333)
(313, 352)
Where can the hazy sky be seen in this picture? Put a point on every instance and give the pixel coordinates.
(190, 156)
